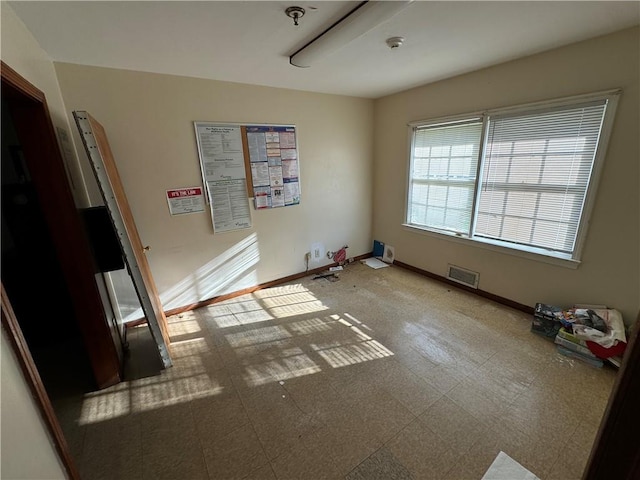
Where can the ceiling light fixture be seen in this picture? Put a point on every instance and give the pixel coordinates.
(395, 42)
(296, 13)
(356, 23)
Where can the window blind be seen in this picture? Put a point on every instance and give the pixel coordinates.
(443, 174)
(536, 171)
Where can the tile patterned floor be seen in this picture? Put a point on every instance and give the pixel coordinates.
(383, 374)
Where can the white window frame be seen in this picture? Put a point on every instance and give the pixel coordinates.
(540, 254)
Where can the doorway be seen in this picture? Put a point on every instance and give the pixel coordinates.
(40, 183)
(33, 277)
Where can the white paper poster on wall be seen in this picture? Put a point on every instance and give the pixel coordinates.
(229, 205)
(223, 172)
(220, 149)
(185, 200)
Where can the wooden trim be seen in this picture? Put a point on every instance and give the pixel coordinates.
(32, 378)
(482, 293)
(18, 82)
(616, 450)
(247, 161)
(228, 296)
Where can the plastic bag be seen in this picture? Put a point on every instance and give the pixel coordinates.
(615, 329)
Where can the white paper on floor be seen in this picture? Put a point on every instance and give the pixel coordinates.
(506, 468)
(374, 263)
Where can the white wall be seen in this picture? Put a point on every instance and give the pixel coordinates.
(149, 121)
(27, 451)
(609, 273)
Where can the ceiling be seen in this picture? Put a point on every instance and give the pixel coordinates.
(250, 42)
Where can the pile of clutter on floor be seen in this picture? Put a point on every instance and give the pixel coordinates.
(591, 333)
(339, 257)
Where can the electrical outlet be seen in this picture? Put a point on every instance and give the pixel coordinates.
(316, 252)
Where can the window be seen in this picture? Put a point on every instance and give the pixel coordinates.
(520, 178)
(443, 177)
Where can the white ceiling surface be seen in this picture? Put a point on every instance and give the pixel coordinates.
(250, 42)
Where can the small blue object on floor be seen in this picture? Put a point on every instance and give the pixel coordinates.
(506, 468)
(378, 248)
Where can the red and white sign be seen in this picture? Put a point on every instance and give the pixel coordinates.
(185, 200)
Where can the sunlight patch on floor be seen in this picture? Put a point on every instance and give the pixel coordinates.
(184, 327)
(186, 380)
(266, 354)
(100, 407)
(188, 348)
(281, 369)
(256, 316)
(298, 309)
(281, 290)
(280, 347)
(345, 355)
(312, 325)
(256, 336)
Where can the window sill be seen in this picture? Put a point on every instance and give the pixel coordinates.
(488, 245)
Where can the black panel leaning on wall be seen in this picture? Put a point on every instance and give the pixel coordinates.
(107, 253)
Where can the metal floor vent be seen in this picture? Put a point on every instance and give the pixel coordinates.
(463, 276)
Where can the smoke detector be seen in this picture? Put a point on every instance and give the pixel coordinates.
(395, 42)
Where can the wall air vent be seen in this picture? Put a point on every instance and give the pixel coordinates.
(463, 276)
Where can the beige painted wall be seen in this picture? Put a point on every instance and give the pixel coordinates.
(27, 451)
(149, 120)
(609, 273)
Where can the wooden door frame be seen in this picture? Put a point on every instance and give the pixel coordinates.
(30, 114)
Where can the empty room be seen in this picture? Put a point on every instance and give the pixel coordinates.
(330, 240)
